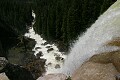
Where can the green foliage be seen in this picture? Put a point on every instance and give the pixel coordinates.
(17, 14)
(64, 20)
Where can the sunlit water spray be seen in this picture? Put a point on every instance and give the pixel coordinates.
(93, 40)
(54, 58)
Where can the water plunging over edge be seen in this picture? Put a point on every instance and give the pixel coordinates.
(93, 41)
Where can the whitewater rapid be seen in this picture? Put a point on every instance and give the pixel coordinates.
(52, 65)
(93, 41)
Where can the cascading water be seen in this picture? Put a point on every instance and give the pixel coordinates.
(52, 63)
(93, 40)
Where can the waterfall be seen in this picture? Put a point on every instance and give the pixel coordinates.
(92, 42)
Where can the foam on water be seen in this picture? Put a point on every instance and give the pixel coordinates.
(51, 62)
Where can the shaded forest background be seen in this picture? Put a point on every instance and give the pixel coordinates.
(15, 15)
(59, 21)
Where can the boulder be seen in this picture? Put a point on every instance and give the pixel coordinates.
(57, 76)
(15, 72)
(48, 46)
(49, 64)
(3, 76)
(37, 48)
(39, 54)
(114, 42)
(56, 54)
(108, 57)
(44, 43)
(3, 62)
(50, 49)
(95, 71)
(57, 66)
(58, 58)
(35, 66)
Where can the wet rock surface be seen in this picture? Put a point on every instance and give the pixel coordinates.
(95, 71)
(55, 54)
(50, 49)
(39, 54)
(57, 76)
(48, 46)
(44, 43)
(58, 58)
(49, 64)
(37, 48)
(57, 66)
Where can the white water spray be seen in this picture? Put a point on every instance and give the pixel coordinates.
(93, 40)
